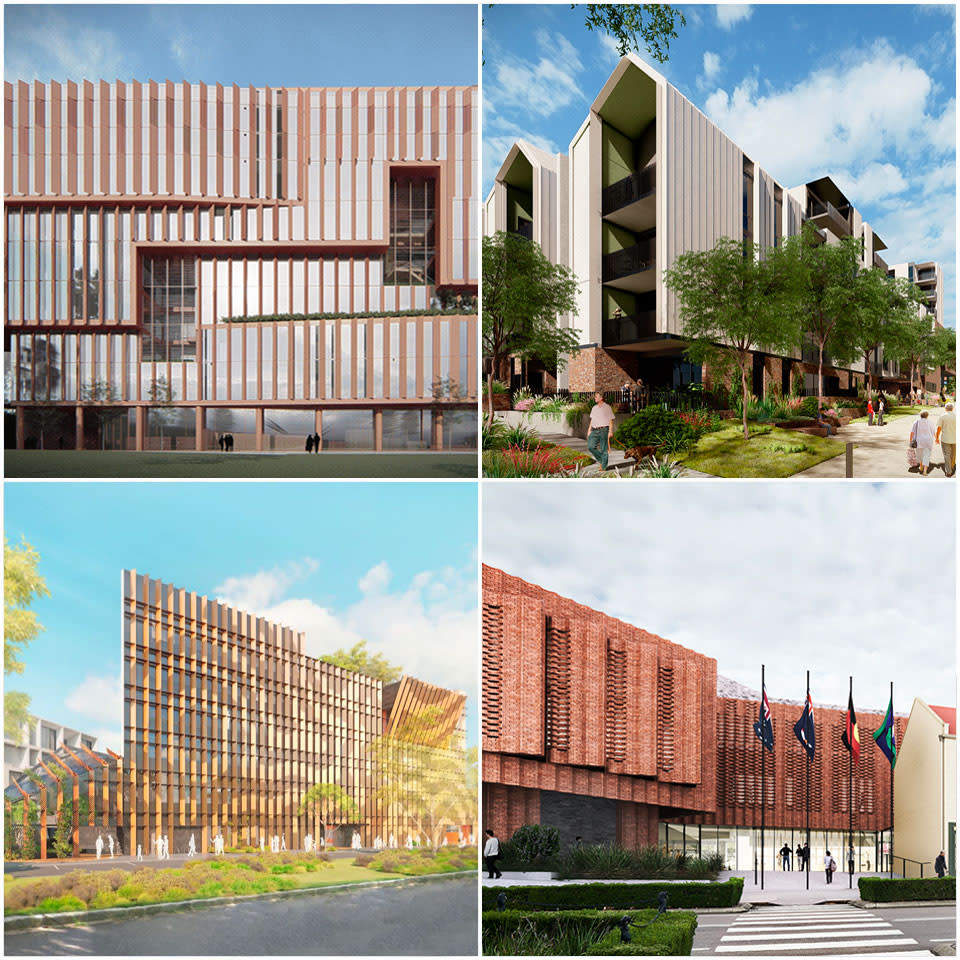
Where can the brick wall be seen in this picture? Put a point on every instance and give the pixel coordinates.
(593, 368)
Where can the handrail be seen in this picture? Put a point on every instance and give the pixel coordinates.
(906, 860)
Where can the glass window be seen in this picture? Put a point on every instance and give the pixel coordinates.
(168, 308)
(411, 256)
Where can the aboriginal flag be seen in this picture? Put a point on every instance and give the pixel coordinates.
(804, 729)
(851, 734)
(763, 728)
(886, 736)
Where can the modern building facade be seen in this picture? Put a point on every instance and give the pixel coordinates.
(646, 178)
(228, 723)
(606, 731)
(187, 260)
(39, 735)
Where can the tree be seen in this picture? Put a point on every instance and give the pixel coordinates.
(360, 660)
(331, 802)
(943, 351)
(424, 774)
(823, 291)
(914, 343)
(46, 416)
(730, 303)
(107, 405)
(885, 304)
(22, 584)
(523, 294)
(630, 24)
(160, 395)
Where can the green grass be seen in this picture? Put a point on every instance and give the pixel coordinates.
(111, 463)
(897, 413)
(725, 453)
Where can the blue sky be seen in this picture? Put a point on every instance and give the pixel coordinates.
(275, 45)
(392, 563)
(838, 578)
(864, 93)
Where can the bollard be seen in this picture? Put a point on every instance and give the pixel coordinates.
(849, 458)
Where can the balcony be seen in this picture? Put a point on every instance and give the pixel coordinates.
(629, 329)
(632, 201)
(926, 276)
(878, 261)
(826, 216)
(633, 268)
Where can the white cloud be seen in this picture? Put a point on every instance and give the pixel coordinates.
(796, 576)
(51, 49)
(712, 67)
(376, 578)
(876, 181)
(610, 47)
(730, 14)
(265, 587)
(98, 704)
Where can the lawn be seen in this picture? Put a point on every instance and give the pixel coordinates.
(770, 452)
(200, 879)
(111, 463)
(896, 414)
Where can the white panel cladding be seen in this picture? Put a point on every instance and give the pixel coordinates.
(763, 209)
(581, 215)
(699, 190)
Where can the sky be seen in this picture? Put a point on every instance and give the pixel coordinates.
(863, 93)
(394, 564)
(273, 45)
(837, 578)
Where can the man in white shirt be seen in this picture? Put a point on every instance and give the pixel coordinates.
(491, 853)
(947, 438)
(601, 427)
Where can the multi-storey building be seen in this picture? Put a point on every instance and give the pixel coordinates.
(608, 732)
(228, 723)
(186, 260)
(646, 178)
(39, 736)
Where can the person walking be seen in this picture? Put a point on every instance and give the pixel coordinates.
(799, 859)
(870, 413)
(851, 857)
(785, 856)
(806, 857)
(829, 865)
(880, 411)
(601, 427)
(308, 446)
(940, 865)
(491, 853)
(316, 443)
(922, 438)
(947, 438)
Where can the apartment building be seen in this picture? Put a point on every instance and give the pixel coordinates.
(39, 736)
(646, 178)
(188, 260)
(606, 731)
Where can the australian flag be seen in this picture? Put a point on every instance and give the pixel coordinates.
(763, 728)
(804, 729)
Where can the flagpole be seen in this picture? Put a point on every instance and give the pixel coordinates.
(763, 771)
(807, 752)
(893, 728)
(850, 797)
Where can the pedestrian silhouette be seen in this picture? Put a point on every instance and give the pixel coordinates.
(316, 443)
(309, 445)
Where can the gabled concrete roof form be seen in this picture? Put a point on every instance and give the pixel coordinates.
(622, 70)
(535, 155)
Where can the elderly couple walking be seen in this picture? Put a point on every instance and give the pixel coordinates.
(923, 436)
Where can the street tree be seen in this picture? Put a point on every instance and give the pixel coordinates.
(913, 346)
(22, 584)
(653, 25)
(160, 394)
(823, 293)
(330, 802)
(729, 301)
(106, 403)
(884, 305)
(360, 660)
(943, 352)
(523, 295)
(425, 775)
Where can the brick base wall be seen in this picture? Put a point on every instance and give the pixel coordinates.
(637, 825)
(506, 808)
(594, 368)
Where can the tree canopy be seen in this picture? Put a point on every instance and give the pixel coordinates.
(22, 584)
(523, 295)
(360, 660)
(653, 25)
(330, 801)
(943, 350)
(913, 345)
(729, 298)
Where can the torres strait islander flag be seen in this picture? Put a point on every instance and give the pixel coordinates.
(763, 728)
(804, 728)
(851, 734)
(886, 736)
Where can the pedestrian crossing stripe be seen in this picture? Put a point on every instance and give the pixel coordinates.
(827, 927)
(818, 934)
(795, 948)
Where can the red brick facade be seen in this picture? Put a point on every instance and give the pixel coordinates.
(577, 702)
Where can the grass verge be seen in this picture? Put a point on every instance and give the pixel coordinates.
(770, 452)
(129, 464)
(420, 863)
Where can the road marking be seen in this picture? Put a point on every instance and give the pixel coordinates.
(825, 927)
(816, 935)
(794, 947)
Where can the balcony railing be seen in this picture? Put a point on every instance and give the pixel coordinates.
(818, 208)
(630, 260)
(629, 329)
(631, 188)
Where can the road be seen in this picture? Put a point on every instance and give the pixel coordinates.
(431, 918)
(826, 930)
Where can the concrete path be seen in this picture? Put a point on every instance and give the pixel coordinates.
(880, 452)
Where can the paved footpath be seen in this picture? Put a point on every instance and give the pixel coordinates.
(880, 451)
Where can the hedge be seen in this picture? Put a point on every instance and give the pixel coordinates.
(619, 896)
(669, 936)
(884, 890)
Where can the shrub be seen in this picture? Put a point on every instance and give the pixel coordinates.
(809, 406)
(493, 436)
(651, 427)
(577, 410)
(533, 843)
(519, 436)
(61, 904)
(539, 462)
(883, 889)
(616, 896)
(364, 860)
(497, 386)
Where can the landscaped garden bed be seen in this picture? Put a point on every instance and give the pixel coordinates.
(888, 890)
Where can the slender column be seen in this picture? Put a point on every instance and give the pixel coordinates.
(378, 430)
(259, 445)
(140, 414)
(198, 427)
(78, 443)
(21, 427)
